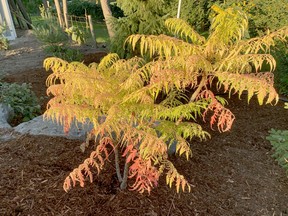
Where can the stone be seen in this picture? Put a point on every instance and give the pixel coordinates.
(41, 126)
(7, 134)
(6, 113)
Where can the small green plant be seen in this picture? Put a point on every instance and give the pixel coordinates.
(49, 32)
(21, 98)
(65, 53)
(43, 12)
(77, 35)
(279, 141)
(4, 43)
(56, 39)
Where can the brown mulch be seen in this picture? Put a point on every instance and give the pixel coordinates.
(232, 173)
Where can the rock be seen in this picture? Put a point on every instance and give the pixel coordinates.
(172, 148)
(7, 134)
(41, 126)
(6, 114)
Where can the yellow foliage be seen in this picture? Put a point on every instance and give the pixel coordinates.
(144, 107)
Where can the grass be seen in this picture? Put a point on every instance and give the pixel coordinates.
(100, 29)
(36, 20)
(101, 32)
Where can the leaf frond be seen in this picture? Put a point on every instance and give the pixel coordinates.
(184, 30)
(260, 84)
(174, 177)
(107, 61)
(96, 160)
(264, 43)
(162, 45)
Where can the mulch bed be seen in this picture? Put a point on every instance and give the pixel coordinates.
(232, 173)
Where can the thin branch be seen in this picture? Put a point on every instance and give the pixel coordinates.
(194, 95)
(200, 86)
(172, 204)
(125, 177)
(116, 152)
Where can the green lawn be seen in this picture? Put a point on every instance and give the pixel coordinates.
(101, 32)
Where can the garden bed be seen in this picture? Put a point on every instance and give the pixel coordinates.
(232, 173)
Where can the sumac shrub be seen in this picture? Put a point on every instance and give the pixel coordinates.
(120, 97)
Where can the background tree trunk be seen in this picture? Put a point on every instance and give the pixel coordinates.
(24, 13)
(58, 9)
(107, 15)
(65, 13)
(17, 15)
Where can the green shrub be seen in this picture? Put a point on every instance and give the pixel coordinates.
(78, 8)
(55, 38)
(279, 141)
(281, 72)
(147, 17)
(117, 12)
(49, 32)
(143, 17)
(4, 43)
(21, 98)
(65, 53)
(32, 6)
(263, 14)
(76, 34)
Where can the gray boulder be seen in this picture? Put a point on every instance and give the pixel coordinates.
(41, 126)
(6, 113)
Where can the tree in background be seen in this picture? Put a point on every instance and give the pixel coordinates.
(268, 15)
(108, 17)
(32, 6)
(148, 17)
(263, 14)
(195, 12)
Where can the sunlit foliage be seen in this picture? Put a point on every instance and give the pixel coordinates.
(146, 108)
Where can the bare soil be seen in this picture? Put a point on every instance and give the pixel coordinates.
(233, 173)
